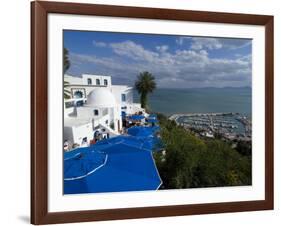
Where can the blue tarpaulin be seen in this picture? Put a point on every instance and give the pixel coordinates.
(125, 168)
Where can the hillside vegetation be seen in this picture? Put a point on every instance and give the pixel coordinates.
(192, 162)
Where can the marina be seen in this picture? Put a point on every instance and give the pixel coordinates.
(231, 126)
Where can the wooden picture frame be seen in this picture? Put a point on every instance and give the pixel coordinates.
(39, 112)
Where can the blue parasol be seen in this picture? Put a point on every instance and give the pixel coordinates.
(125, 168)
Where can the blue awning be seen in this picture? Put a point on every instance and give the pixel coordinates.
(124, 168)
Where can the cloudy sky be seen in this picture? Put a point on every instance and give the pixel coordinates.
(175, 61)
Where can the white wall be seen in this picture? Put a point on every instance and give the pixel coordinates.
(81, 131)
(15, 143)
(118, 90)
(68, 134)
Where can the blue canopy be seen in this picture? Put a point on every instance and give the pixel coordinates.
(128, 140)
(150, 143)
(136, 117)
(81, 162)
(141, 131)
(155, 128)
(153, 143)
(125, 168)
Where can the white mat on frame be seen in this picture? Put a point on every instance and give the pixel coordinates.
(59, 202)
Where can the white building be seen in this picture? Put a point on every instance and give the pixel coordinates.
(80, 87)
(95, 104)
(77, 131)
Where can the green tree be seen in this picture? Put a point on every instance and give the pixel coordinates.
(145, 84)
(66, 92)
(244, 148)
(66, 62)
(66, 65)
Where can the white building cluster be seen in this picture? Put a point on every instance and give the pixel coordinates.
(95, 106)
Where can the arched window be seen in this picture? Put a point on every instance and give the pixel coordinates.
(105, 82)
(89, 81)
(96, 112)
(78, 94)
(97, 82)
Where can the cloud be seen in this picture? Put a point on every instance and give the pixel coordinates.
(179, 69)
(162, 48)
(206, 43)
(197, 43)
(99, 44)
(181, 40)
(133, 51)
(232, 43)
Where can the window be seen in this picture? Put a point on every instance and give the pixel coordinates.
(123, 97)
(105, 82)
(89, 81)
(97, 82)
(96, 112)
(78, 94)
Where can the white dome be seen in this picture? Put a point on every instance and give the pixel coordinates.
(101, 98)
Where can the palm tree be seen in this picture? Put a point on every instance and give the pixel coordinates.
(66, 65)
(145, 84)
(66, 62)
(66, 92)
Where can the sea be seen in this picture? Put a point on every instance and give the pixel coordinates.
(200, 100)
